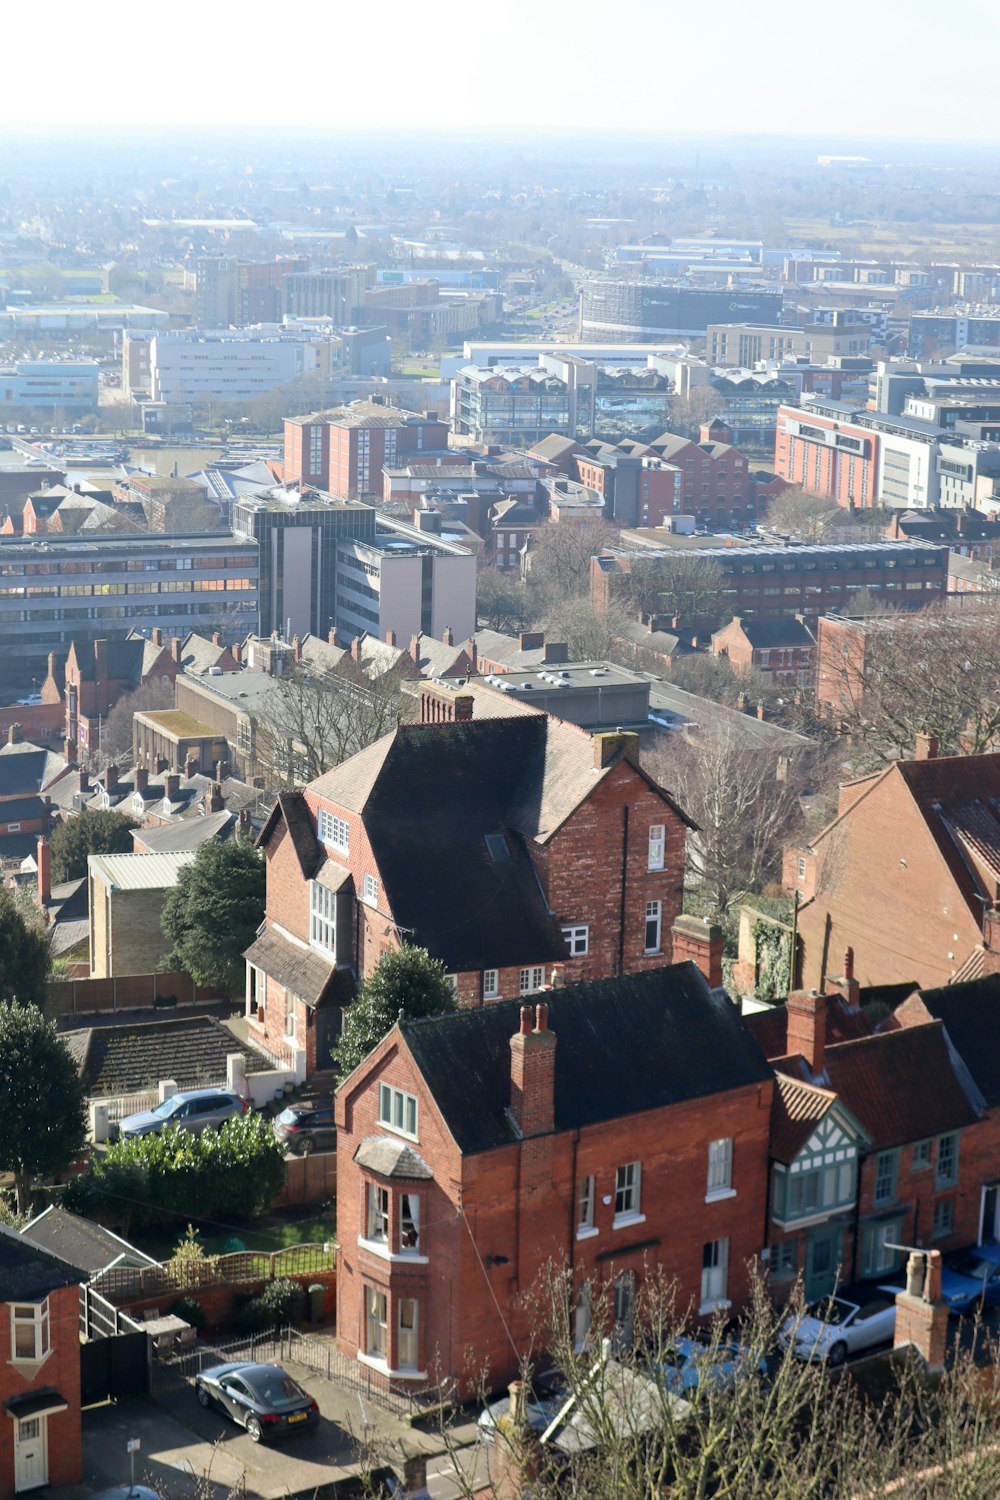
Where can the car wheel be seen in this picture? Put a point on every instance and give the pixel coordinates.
(253, 1429)
(203, 1395)
(306, 1147)
(838, 1354)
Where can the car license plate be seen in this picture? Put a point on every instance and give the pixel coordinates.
(298, 1416)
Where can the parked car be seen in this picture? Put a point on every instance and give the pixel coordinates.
(306, 1127)
(261, 1398)
(690, 1363)
(970, 1279)
(834, 1327)
(542, 1403)
(191, 1109)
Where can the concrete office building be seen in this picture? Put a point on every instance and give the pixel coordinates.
(48, 385)
(231, 367)
(75, 588)
(325, 294)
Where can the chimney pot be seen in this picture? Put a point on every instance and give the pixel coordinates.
(926, 746)
(541, 1016)
(525, 1020)
(14, 735)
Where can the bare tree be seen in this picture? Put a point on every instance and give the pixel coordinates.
(937, 671)
(687, 413)
(501, 600)
(745, 801)
(588, 632)
(805, 516)
(116, 731)
(559, 559)
(314, 720)
(678, 584)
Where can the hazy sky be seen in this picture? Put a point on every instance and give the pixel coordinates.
(889, 67)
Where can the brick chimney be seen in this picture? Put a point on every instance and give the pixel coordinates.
(43, 858)
(390, 638)
(217, 638)
(356, 645)
(111, 778)
(156, 636)
(214, 801)
(220, 770)
(172, 785)
(532, 640)
(806, 1036)
(141, 778)
(236, 651)
(69, 751)
(845, 984)
(926, 746)
(614, 745)
(415, 649)
(296, 648)
(415, 1477)
(161, 764)
(101, 661)
(448, 637)
(191, 764)
(533, 1072)
(84, 780)
(175, 648)
(15, 734)
(700, 941)
(921, 1315)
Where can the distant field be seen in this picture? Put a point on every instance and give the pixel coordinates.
(874, 237)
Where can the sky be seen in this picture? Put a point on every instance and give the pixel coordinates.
(889, 68)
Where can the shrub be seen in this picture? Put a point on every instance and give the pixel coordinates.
(279, 1303)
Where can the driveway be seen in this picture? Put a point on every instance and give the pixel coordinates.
(187, 1451)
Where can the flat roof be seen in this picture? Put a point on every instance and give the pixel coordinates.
(139, 872)
(176, 721)
(131, 542)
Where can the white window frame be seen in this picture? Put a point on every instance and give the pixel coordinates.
(290, 1003)
(369, 891)
(531, 980)
(33, 1315)
(720, 1170)
(654, 913)
(322, 918)
(577, 940)
(397, 1110)
(491, 984)
(376, 1214)
(334, 832)
(409, 1223)
(376, 1323)
(408, 1335)
(657, 849)
(628, 1195)
(714, 1275)
(586, 1201)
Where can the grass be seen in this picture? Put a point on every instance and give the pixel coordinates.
(317, 1229)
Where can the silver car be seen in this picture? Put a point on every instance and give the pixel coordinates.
(191, 1109)
(834, 1327)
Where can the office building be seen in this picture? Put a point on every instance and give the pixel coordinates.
(632, 310)
(343, 451)
(48, 385)
(231, 293)
(325, 294)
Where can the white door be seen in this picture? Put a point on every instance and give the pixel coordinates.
(31, 1453)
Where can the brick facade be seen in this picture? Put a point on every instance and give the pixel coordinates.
(59, 1371)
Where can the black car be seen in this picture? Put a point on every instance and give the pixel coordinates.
(261, 1398)
(306, 1127)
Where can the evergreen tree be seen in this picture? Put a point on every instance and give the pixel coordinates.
(42, 1116)
(24, 955)
(97, 832)
(212, 914)
(408, 980)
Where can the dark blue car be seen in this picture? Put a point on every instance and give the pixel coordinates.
(970, 1279)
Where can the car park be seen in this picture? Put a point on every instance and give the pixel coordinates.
(970, 1279)
(262, 1398)
(306, 1127)
(190, 1109)
(836, 1326)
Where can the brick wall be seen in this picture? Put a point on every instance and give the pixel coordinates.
(60, 1370)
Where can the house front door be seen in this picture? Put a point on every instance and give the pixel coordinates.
(31, 1453)
(823, 1253)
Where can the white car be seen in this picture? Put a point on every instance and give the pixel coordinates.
(834, 1327)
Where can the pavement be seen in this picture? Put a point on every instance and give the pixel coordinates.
(189, 1453)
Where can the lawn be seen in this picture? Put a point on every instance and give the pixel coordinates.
(279, 1234)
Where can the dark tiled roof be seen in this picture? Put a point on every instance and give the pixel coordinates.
(124, 660)
(22, 774)
(971, 1015)
(300, 970)
(291, 808)
(28, 1272)
(126, 1059)
(21, 809)
(796, 1109)
(769, 1028)
(623, 1046)
(902, 1085)
(787, 633)
(391, 1158)
(78, 1241)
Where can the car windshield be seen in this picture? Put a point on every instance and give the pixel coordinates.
(162, 1111)
(972, 1265)
(278, 1391)
(288, 1117)
(831, 1310)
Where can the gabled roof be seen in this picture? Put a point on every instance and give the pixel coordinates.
(28, 1271)
(624, 1046)
(27, 769)
(902, 1085)
(124, 1059)
(970, 1013)
(291, 809)
(789, 633)
(187, 834)
(796, 1109)
(80, 1242)
(390, 1157)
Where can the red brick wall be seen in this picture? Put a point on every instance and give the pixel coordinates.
(61, 1370)
(519, 1202)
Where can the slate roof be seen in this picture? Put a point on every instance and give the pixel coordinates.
(301, 970)
(29, 1272)
(790, 634)
(22, 809)
(80, 1242)
(796, 1109)
(392, 1158)
(623, 1046)
(769, 1028)
(901, 1085)
(27, 769)
(124, 660)
(970, 1013)
(125, 1059)
(189, 833)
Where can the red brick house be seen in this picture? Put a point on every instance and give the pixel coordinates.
(613, 1127)
(876, 1141)
(782, 651)
(906, 874)
(507, 847)
(39, 1368)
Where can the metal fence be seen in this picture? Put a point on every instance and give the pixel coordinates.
(286, 1344)
(130, 1104)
